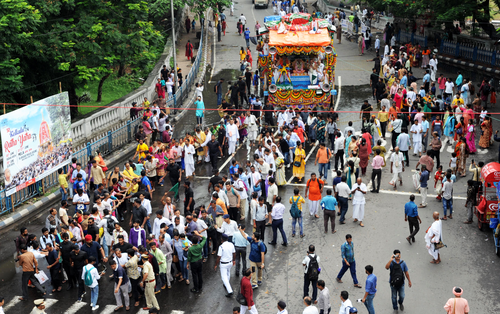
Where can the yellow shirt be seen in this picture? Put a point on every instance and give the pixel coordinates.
(299, 202)
(141, 148)
(134, 189)
(62, 181)
(147, 103)
(383, 116)
(457, 102)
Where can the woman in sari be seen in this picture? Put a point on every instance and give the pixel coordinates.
(280, 170)
(311, 123)
(160, 168)
(200, 139)
(484, 140)
(394, 86)
(438, 181)
(347, 143)
(449, 127)
(459, 129)
(471, 137)
(320, 129)
(360, 45)
(355, 159)
(352, 148)
(299, 162)
(242, 126)
(363, 155)
(462, 151)
(350, 174)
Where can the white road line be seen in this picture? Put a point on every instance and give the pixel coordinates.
(384, 191)
(12, 303)
(108, 309)
(338, 94)
(50, 302)
(177, 312)
(75, 307)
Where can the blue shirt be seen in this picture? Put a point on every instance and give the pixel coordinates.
(347, 251)
(239, 240)
(404, 268)
(255, 249)
(329, 202)
(425, 126)
(337, 180)
(120, 272)
(146, 182)
(411, 209)
(424, 177)
(79, 185)
(404, 81)
(427, 78)
(93, 250)
(247, 34)
(371, 284)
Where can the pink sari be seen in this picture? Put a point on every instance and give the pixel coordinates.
(471, 138)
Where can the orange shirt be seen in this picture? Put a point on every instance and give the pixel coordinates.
(314, 190)
(322, 155)
(393, 113)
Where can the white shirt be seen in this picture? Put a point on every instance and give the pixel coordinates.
(339, 143)
(228, 228)
(188, 157)
(417, 137)
(433, 64)
(157, 224)
(271, 192)
(178, 150)
(359, 197)
(226, 251)
(223, 196)
(345, 307)
(342, 189)
(199, 92)
(311, 309)
(307, 260)
(243, 19)
(240, 185)
(448, 87)
(278, 211)
(397, 160)
(84, 198)
(411, 95)
(202, 225)
(269, 159)
(147, 205)
(93, 272)
(232, 132)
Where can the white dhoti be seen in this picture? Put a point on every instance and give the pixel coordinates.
(252, 309)
(423, 193)
(232, 147)
(358, 211)
(189, 169)
(225, 274)
(417, 147)
(395, 177)
(252, 135)
(433, 75)
(433, 252)
(313, 207)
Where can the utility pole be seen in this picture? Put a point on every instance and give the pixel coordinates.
(175, 53)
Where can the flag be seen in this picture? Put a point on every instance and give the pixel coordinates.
(175, 189)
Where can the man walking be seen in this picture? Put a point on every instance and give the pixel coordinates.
(311, 272)
(370, 289)
(90, 276)
(377, 163)
(247, 292)
(323, 158)
(424, 177)
(195, 261)
(358, 201)
(448, 197)
(411, 215)
(398, 271)
(240, 246)
(277, 222)
(346, 304)
(226, 258)
(343, 191)
(348, 261)
(256, 257)
(323, 301)
(121, 286)
(397, 168)
(434, 236)
(339, 150)
(328, 204)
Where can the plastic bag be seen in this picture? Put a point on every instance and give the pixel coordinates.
(42, 277)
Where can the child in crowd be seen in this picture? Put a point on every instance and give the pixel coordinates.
(453, 163)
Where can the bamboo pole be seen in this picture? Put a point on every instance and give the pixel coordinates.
(31, 97)
(60, 87)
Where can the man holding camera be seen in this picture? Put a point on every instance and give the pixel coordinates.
(398, 271)
(257, 255)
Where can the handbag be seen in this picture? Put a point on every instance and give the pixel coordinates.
(439, 245)
(240, 298)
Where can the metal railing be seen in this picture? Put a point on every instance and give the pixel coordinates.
(107, 143)
(471, 52)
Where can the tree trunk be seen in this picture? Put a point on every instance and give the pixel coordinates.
(73, 99)
(121, 70)
(99, 89)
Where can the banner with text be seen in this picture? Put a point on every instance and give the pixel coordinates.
(36, 141)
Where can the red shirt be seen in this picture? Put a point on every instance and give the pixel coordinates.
(300, 133)
(247, 291)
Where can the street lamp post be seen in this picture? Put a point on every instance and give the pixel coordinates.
(174, 53)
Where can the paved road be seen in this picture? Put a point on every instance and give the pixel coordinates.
(468, 261)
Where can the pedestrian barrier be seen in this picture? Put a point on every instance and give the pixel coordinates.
(107, 143)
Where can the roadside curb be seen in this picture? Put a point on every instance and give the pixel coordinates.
(469, 64)
(52, 198)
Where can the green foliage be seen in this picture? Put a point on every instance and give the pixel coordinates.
(114, 88)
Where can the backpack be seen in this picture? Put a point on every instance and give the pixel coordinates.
(317, 181)
(294, 210)
(486, 89)
(265, 248)
(397, 276)
(313, 269)
(88, 277)
(110, 224)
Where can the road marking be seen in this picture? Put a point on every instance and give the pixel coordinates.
(75, 307)
(177, 312)
(443, 145)
(50, 302)
(338, 95)
(108, 309)
(12, 303)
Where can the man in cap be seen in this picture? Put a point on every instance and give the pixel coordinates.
(39, 307)
(148, 283)
(282, 307)
(226, 257)
(228, 228)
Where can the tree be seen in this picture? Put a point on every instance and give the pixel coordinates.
(18, 20)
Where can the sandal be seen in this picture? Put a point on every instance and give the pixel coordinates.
(361, 224)
(136, 304)
(53, 290)
(293, 234)
(302, 235)
(444, 218)
(187, 281)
